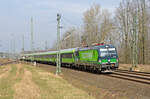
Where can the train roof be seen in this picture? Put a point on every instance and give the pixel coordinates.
(97, 47)
(71, 50)
(105, 46)
(42, 53)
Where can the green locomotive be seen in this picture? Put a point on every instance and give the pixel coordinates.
(96, 58)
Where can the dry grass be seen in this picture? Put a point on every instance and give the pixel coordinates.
(55, 87)
(7, 81)
(27, 82)
(26, 89)
(4, 71)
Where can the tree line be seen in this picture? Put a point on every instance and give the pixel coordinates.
(128, 28)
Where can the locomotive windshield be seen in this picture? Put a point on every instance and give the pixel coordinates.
(108, 52)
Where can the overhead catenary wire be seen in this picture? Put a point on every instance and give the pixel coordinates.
(65, 20)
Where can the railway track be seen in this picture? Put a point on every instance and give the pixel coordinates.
(134, 72)
(10, 62)
(140, 77)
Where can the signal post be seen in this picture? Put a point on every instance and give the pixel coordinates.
(58, 67)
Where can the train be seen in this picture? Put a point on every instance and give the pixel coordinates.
(101, 57)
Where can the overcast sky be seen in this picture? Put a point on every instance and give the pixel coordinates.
(15, 16)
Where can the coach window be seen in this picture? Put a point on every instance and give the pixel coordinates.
(67, 55)
(55, 56)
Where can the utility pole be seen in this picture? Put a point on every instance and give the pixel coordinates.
(0, 43)
(23, 44)
(58, 68)
(32, 42)
(13, 46)
(9, 52)
(46, 46)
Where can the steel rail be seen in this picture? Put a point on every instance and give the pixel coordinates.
(131, 75)
(130, 79)
(135, 73)
(121, 70)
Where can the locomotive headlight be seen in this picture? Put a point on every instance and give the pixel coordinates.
(100, 61)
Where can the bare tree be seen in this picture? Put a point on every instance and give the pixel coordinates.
(97, 25)
(132, 17)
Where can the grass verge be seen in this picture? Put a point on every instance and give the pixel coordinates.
(7, 82)
(54, 87)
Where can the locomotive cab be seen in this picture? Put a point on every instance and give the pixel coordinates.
(108, 58)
